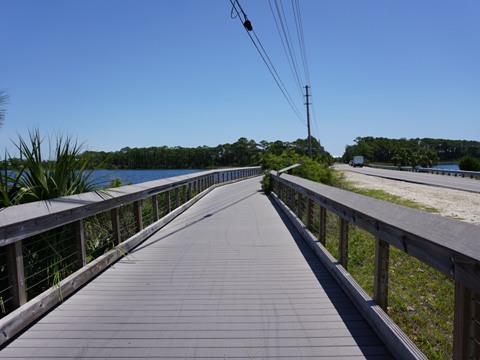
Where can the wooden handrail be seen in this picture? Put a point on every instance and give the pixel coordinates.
(447, 245)
(22, 221)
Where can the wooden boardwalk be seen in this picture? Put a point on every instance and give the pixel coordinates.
(229, 278)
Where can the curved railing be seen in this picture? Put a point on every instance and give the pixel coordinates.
(49, 249)
(420, 269)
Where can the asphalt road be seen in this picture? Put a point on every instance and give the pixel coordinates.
(451, 182)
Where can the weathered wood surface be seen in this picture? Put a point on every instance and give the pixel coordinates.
(227, 279)
(448, 245)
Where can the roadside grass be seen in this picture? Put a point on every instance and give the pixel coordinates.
(420, 299)
(385, 196)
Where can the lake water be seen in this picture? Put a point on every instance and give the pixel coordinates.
(137, 176)
(447, 166)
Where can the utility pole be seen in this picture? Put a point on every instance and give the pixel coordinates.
(308, 122)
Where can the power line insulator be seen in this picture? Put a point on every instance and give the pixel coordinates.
(248, 25)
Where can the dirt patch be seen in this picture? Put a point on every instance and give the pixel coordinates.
(457, 204)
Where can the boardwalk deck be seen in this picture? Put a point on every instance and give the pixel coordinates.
(230, 278)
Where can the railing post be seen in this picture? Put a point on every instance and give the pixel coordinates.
(322, 229)
(185, 193)
(137, 212)
(290, 199)
(16, 274)
(169, 202)
(380, 289)
(189, 191)
(466, 323)
(177, 197)
(79, 230)
(309, 213)
(155, 207)
(117, 237)
(299, 206)
(343, 244)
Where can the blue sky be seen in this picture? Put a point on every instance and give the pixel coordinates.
(140, 73)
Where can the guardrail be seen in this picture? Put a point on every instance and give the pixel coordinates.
(49, 249)
(457, 173)
(420, 269)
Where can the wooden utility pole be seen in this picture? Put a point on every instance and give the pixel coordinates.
(308, 121)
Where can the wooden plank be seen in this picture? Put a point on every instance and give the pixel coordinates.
(380, 290)
(466, 334)
(309, 214)
(79, 231)
(16, 275)
(343, 243)
(117, 231)
(137, 213)
(322, 231)
(237, 351)
(45, 330)
(177, 197)
(169, 203)
(155, 208)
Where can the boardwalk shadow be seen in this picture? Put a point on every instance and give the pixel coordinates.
(368, 342)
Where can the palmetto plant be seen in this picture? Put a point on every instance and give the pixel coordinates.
(8, 187)
(49, 256)
(3, 101)
(65, 174)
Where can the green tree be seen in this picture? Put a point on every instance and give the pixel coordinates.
(427, 157)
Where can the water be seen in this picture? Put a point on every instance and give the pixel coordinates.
(447, 166)
(137, 176)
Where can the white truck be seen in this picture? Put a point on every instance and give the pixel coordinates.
(358, 161)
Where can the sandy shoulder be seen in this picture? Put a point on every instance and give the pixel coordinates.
(456, 204)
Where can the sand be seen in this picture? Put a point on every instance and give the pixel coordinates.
(457, 204)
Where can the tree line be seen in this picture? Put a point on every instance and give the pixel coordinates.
(243, 152)
(384, 150)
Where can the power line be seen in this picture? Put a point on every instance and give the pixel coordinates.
(282, 28)
(263, 54)
(301, 38)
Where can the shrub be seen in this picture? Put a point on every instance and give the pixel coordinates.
(469, 163)
(310, 169)
(266, 182)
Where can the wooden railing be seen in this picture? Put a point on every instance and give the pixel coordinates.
(411, 262)
(49, 249)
